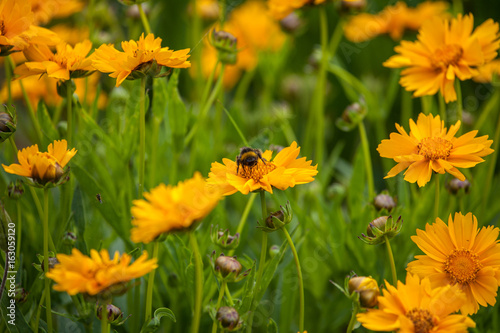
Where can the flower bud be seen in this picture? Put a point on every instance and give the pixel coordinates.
(229, 318)
(384, 201)
(5, 50)
(228, 266)
(69, 238)
(381, 228)
(8, 120)
(63, 86)
(367, 288)
(291, 22)
(223, 238)
(278, 219)
(52, 262)
(455, 185)
(225, 44)
(21, 295)
(352, 116)
(274, 250)
(15, 190)
(115, 315)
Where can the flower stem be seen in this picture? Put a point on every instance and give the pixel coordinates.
(151, 281)
(368, 160)
(353, 320)
(144, 19)
(198, 271)
(142, 136)
(19, 227)
(436, 199)
(69, 115)
(442, 108)
(46, 256)
(491, 169)
(459, 102)
(38, 311)
(263, 255)
(301, 281)
(31, 112)
(219, 300)
(104, 318)
(244, 217)
(228, 295)
(391, 261)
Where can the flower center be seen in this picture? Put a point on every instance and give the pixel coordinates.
(257, 171)
(423, 321)
(447, 55)
(435, 148)
(462, 265)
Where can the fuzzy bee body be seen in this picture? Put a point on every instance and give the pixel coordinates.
(248, 157)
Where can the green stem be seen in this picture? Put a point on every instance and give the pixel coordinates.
(301, 281)
(228, 295)
(262, 261)
(426, 104)
(486, 110)
(459, 102)
(8, 79)
(38, 311)
(240, 133)
(219, 300)
(353, 320)
(46, 256)
(391, 261)
(104, 318)
(151, 281)
(144, 19)
(436, 198)
(368, 160)
(491, 169)
(198, 271)
(442, 108)
(69, 115)
(19, 227)
(142, 136)
(154, 152)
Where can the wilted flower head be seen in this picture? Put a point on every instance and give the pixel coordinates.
(432, 147)
(98, 274)
(43, 169)
(380, 229)
(138, 59)
(169, 208)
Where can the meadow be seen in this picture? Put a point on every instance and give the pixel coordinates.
(249, 165)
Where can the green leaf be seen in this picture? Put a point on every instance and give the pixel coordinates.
(20, 325)
(80, 219)
(154, 323)
(271, 326)
(176, 112)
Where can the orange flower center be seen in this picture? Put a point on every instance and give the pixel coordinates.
(447, 55)
(257, 171)
(462, 266)
(435, 148)
(423, 321)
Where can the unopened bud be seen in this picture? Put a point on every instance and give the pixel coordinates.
(225, 43)
(8, 120)
(21, 295)
(378, 223)
(52, 262)
(381, 229)
(384, 201)
(15, 190)
(228, 317)
(274, 250)
(69, 238)
(228, 265)
(352, 5)
(367, 288)
(291, 23)
(352, 116)
(115, 315)
(455, 185)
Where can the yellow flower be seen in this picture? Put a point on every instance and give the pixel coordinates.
(282, 172)
(431, 147)
(66, 63)
(97, 274)
(393, 20)
(206, 9)
(46, 10)
(282, 8)
(17, 29)
(444, 51)
(460, 254)
(43, 168)
(485, 73)
(415, 307)
(138, 57)
(168, 208)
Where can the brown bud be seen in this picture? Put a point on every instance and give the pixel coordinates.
(379, 223)
(227, 265)
(228, 317)
(384, 201)
(455, 185)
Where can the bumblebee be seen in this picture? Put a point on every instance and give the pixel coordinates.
(248, 157)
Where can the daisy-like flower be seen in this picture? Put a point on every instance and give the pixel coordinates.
(168, 208)
(67, 63)
(431, 147)
(393, 20)
(282, 8)
(415, 307)
(445, 50)
(460, 254)
(46, 10)
(485, 73)
(98, 274)
(283, 171)
(138, 59)
(17, 29)
(43, 168)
